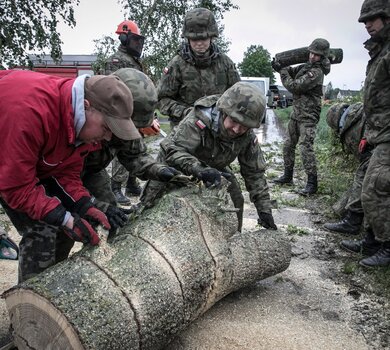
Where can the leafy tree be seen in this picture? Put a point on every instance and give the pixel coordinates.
(256, 63)
(27, 26)
(104, 48)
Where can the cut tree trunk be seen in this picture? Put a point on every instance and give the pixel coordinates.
(301, 55)
(161, 272)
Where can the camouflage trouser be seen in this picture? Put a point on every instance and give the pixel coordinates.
(42, 245)
(119, 172)
(99, 185)
(305, 134)
(376, 192)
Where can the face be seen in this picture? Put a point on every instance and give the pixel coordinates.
(95, 128)
(374, 25)
(200, 46)
(233, 128)
(313, 57)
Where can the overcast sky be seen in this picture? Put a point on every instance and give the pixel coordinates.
(276, 25)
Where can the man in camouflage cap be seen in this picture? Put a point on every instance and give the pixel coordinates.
(305, 82)
(375, 14)
(199, 69)
(216, 132)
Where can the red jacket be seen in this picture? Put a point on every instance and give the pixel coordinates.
(37, 137)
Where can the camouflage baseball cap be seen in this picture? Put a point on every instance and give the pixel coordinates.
(244, 103)
(199, 23)
(320, 47)
(112, 97)
(144, 95)
(374, 8)
(334, 114)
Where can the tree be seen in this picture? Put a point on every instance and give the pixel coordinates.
(27, 26)
(256, 63)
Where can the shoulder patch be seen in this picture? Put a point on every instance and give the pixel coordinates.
(200, 124)
(166, 70)
(311, 75)
(255, 141)
(115, 60)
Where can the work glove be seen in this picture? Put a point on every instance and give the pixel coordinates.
(116, 216)
(266, 220)
(209, 176)
(167, 173)
(362, 145)
(82, 231)
(152, 130)
(85, 209)
(276, 66)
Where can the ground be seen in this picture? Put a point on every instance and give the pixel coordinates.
(314, 304)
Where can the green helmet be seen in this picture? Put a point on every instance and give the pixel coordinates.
(199, 23)
(144, 95)
(244, 103)
(334, 114)
(320, 46)
(374, 8)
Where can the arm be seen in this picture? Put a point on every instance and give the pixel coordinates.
(310, 79)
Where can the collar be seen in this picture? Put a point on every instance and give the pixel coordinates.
(78, 105)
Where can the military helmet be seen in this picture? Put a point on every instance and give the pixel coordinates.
(320, 46)
(199, 23)
(334, 114)
(144, 95)
(374, 8)
(244, 102)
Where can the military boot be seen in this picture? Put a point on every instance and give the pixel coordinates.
(311, 186)
(286, 178)
(380, 258)
(119, 196)
(350, 224)
(367, 246)
(132, 187)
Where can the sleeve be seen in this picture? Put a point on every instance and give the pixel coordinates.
(310, 79)
(233, 75)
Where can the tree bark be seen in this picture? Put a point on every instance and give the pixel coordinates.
(162, 271)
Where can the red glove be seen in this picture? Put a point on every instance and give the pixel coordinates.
(97, 215)
(362, 145)
(152, 130)
(82, 232)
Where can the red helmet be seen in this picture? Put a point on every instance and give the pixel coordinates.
(128, 27)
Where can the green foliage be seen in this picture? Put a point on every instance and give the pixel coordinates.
(295, 230)
(104, 48)
(256, 63)
(32, 25)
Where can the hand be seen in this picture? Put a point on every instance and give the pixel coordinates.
(267, 221)
(151, 130)
(166, 174)
(276, 65)
(82, 231)
(210, 176)
(97, 215)
(117, 216)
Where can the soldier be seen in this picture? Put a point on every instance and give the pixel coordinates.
(216, 132)
(199, 69)
(305, 82)
(348, 122)
(48, 125)
(131, 154)
(375, 14)
(127, 56)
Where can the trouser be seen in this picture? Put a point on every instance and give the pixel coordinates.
(99, 185)
(305, 135)
(376, 192)
(119, 172)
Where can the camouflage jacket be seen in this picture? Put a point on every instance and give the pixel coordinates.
(377, 88)
(184, 81)
(198, 142)
(305, 83)
(121, 59)
(131, 154)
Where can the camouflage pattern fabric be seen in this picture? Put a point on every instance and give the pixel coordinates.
(99, 185)
(184, 81)
(121, 59)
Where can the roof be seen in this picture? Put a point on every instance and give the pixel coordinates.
(66, 60)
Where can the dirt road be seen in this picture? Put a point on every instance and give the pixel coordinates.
(312, 305)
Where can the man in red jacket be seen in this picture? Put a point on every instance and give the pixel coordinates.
(47, 127)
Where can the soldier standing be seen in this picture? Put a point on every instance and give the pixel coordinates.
(199, 69)
(375, 14)
(305, 82)
(217, 131)
(127, 56)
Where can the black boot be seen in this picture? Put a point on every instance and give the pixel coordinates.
(132, 187)
(350, 224)
(367, 246)
(380, 258)
(119, 196)
(286, 178)
(311, 186)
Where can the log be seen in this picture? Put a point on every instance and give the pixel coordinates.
(161, 272)
(301, 55)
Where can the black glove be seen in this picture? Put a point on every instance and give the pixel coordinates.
(82, 231)
(267, 221)
(166, 174)
(210, 176)
(276, 65)
(117, 217)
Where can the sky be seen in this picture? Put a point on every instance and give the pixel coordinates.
(276, 25)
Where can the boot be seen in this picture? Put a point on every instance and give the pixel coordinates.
(119, 196)
(132, 187)
(350, 224)
(380, 258)
(286, 178)
(367, 246)
(311, 186)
